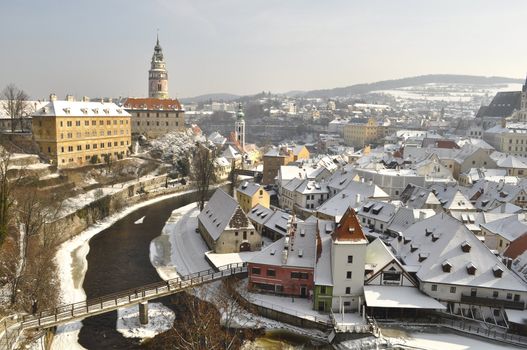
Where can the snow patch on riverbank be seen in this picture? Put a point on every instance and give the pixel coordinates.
(160, 319)
(72, 266)
(179, 250)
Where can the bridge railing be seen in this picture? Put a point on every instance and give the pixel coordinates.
(129, 296)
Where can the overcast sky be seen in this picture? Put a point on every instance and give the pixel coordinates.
(104, 47)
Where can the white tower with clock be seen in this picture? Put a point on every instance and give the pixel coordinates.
(158, 75)
(239, 127)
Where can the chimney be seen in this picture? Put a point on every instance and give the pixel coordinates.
(370, 182)
(70, 98)
(52, 97)
(85, 99)
(422, 215)
(357, 198)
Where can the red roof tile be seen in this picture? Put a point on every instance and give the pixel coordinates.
(152, 104)
(348, 229)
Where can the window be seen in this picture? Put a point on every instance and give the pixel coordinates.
(69, 123)
(348, 274)
(79, 148)
(516, 297)
(94, 146)
(495, 294)
(391, 276)
(87, 146)
(322, 289)
(452, 289)
(70, 148)
(300, 275)
(348, 290)
(271, 273)
(350, 259)
(434, 287)
(509, 295)
(255, 270)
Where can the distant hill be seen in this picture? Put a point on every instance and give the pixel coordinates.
(405, 82)
(214, 97)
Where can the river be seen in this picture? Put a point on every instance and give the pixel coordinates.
(119, 260)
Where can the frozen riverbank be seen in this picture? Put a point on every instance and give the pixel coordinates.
(179, 250)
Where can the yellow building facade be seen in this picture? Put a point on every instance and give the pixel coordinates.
(77, 133)
(249, 194)
(360, 135)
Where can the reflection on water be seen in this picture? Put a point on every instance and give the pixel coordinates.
(283, 339)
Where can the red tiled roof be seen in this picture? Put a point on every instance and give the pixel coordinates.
(516, 247)
(152, 104)
(348, 229)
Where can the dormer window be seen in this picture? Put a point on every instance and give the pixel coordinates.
(84, 110)
(413, 248)
(407, 240)
(498, 271)
(465, 246)
(428, 232)
(423, 256)
(471, 269)
(106, 110)
(447, 266)
(435, 237)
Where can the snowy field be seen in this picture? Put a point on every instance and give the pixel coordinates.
(440, 341)
(72, 266)
(179, 250)
(160, 319)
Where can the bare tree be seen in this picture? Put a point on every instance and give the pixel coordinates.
(203, 172)
(7, 199)
(15, 105)
(205, 326)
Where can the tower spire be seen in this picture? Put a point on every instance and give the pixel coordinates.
(157, 36)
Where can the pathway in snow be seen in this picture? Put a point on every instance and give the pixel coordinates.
(179, 249)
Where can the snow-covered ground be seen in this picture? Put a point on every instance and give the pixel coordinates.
(440, 341)
(72, 266)
(179, 250)
(160, 319)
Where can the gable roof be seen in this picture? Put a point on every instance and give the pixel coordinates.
(502, 105)
(223, 212)
(248, 188)
(348, 229)
(439, 239)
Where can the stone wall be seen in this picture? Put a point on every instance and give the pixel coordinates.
(74, 223)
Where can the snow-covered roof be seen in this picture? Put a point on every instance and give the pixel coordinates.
(323, 274)
(300, 248)
(510, 228)
(311, 187)
(278, 222)
(399, 297)
(511, 162)
(352, 196)
(80, 109)
(377, 210)
(260, 214)
(378, 255)
(429, 243)
(231, 153)
(223, 212)
(248, 188)
(405, 217)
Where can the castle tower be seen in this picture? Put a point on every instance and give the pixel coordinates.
(158, 75)
(239, 127)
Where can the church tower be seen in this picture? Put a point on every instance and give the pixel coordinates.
(158, 75)
(239, 127)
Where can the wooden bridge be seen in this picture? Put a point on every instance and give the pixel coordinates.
(81, 310)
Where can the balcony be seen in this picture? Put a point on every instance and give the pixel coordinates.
(508, 304)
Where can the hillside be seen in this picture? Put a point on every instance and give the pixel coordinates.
(404, 82)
